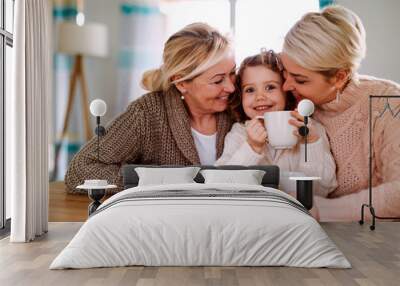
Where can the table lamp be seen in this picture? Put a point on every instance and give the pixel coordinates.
(97, 188)
(306, 109)
(304, 185)
(98, 108)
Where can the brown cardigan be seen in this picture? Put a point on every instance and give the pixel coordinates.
(155, 129)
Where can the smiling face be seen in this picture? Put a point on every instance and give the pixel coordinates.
(209, 92)
(304, 83)
(261, 91)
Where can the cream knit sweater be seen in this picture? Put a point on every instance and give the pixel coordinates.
(319, 158)
(347, 126)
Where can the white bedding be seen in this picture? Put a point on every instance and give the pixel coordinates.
(182, 231)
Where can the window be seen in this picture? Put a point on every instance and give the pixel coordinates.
(256, 23)
(265, 23)
(6, 44)
(181, 13)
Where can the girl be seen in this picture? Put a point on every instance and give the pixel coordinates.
(259, 83)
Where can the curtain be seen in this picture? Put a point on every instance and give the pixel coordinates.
(141, 41)
(27, 121)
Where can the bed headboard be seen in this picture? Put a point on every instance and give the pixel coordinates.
(270, 179)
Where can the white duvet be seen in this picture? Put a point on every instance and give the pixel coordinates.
(200, 231)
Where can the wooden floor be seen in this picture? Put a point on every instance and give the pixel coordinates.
(374, 255)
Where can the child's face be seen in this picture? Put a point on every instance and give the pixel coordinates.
(261, 91)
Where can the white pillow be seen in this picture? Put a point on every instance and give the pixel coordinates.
(163, 176)
(249, 177)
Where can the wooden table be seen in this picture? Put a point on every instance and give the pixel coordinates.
(65, 207)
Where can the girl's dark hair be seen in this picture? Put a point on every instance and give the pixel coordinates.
(268, 59)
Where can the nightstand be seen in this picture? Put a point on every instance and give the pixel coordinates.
(96, 190)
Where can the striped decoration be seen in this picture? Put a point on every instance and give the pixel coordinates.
(140, 48)
(324, 3)
(130, 8)
(67, 12)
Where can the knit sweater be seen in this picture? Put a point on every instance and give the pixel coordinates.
(347, 124)
(155, 129)
(319, 163)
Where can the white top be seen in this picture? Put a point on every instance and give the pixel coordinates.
(206, 147)
(320, 162)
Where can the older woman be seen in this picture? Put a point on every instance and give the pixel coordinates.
(182, 120)
(321, 55)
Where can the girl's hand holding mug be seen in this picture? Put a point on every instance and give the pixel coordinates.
(298, 121)
(256, 135)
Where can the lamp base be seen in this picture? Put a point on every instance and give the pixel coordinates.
(304, 190)
(95, 195)
(304, 193)
(100, 130)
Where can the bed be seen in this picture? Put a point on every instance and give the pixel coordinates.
(201, 224)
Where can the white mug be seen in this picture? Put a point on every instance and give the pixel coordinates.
(280, 132)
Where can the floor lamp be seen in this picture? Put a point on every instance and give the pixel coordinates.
(90, 39)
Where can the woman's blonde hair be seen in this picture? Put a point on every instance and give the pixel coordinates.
(187, 54)
(327, 41)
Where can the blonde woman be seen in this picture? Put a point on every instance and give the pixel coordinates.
(321, 55)
(182, 120)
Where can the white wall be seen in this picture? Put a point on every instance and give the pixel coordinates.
(101, 73)
(382, 23)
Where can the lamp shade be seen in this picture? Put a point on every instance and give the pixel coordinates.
(305, 107)
(98, 107)
(90, 39)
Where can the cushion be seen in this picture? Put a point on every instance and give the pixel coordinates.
(248, 177)
(162, 176)
(271, 178)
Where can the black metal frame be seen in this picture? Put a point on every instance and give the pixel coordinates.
(6, 39)
(97, 194)
(394, 115)
(304, 193)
